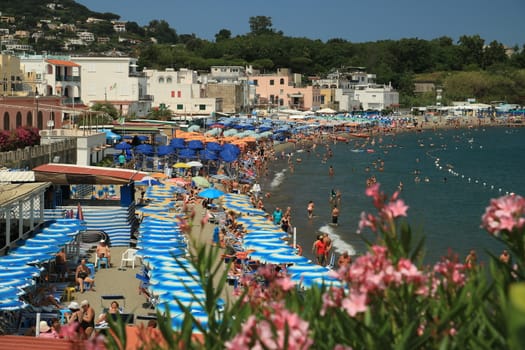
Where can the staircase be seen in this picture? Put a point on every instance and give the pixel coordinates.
(117, 222)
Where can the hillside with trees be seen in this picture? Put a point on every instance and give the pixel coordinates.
(464, 69)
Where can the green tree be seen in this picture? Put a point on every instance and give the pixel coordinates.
(106, 109)
(223, 34)
(494, 53)
(162, 32)
(260, 25)
(471, 48)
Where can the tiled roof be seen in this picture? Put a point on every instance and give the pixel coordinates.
(62, 63)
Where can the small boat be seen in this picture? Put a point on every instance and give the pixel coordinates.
(357, 150)
(370, 150)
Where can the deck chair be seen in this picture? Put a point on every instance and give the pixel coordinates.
(101, 261)
(331, 264)
(128, 256)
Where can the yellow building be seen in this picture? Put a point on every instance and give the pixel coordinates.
(11, 76)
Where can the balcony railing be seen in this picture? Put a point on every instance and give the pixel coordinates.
(66, 78)
(69, 101)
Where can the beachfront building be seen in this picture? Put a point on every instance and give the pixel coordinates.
(230, 86)
(114, 80)
(284, 90)
(12, 76)
(354, 89)
(179, 91)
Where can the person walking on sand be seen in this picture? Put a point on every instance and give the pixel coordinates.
(310, 209)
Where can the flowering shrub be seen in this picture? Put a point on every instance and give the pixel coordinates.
(21, 137)
(387, 298)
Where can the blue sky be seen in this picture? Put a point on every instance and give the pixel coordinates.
(355, 21)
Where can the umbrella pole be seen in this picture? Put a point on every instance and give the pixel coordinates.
(295, 238)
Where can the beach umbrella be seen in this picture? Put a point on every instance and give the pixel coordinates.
(142, 138)
(178, 143)
(180, 165)
(187, 153)
(147, 181)
(122, 145)
(208, 155)
(165, 150)
(159, 175)
(220, 177)
(210, 193)
(195, 144)
(194, 163)
(213, 146)
(144, 149)
(280, 258)
(13, 305)
(200, 181)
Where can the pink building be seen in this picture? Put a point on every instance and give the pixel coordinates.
(284, 90)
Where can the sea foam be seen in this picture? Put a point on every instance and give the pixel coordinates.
(278, 179)
(338, 244)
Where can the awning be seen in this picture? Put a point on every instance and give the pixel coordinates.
(17, 176)
(66, 174)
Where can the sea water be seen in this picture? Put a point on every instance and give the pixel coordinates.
(447, 178)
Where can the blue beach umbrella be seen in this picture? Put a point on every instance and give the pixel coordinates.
(123, 145)
(210, 193)
(13, 305)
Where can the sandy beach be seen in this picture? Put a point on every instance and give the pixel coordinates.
(123, 282)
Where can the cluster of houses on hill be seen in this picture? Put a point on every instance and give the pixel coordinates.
(39, 90)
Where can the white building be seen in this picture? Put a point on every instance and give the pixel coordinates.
(356, 89)
(180, 91)
(114, 80)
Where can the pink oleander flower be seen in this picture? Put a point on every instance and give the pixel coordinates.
(395, 209)
(342, 347)
(506, 213)
(367, 220)
(285, 283)
(270, 333)
(355, 303)
(332, 298)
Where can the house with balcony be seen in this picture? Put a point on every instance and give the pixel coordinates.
(114, 80)
(284, 90)
(230, 86)
(354, 89)
(180, 91)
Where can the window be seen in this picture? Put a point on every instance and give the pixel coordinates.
(18, 120)
(255, 82)
(281, 81)
(168, 80)
(29, 119)
(179, 94)
(180, 107)
(272, 82)
(6, 121)
(40, 120)
(202, 107)
(161, 80)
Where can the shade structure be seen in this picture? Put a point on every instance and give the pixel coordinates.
(213, 146)
(200, 181)
(181, 165)
(178, 143)
(208, 155)
(194, 163)
(211, 193)
(187, 153)
(147, 181)
(123, 145)
(195, 144)
(144, 149)
(13, 305)
(154, 251)
(165, 150)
